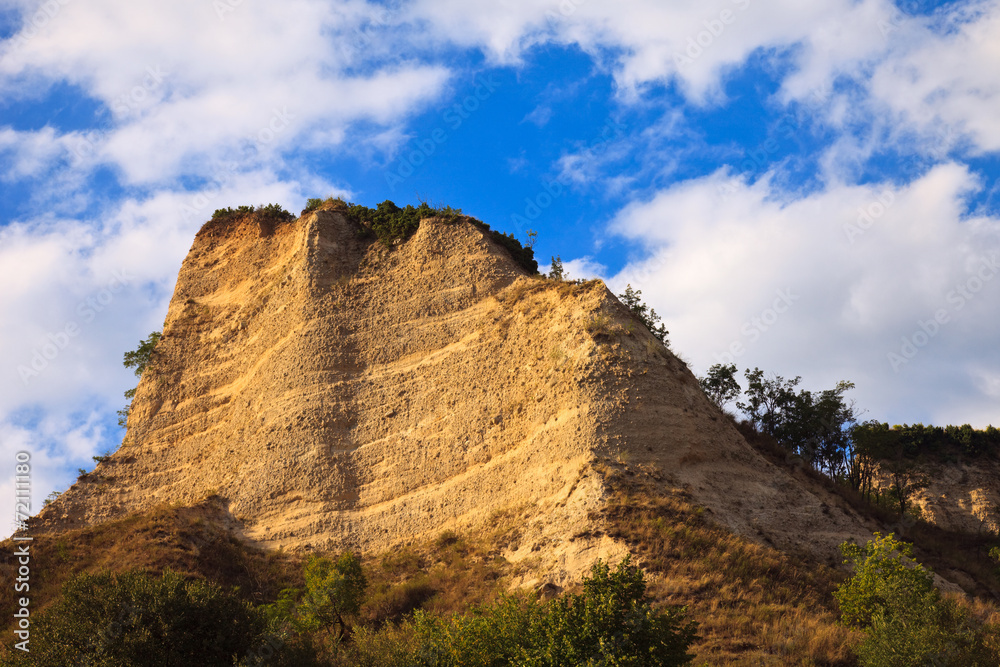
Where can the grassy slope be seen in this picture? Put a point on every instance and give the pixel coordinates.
(754, 605)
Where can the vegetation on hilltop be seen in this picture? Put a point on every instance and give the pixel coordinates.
(389, 223)
(632, 298)
(273, 212)
(877, 470)
(822, 430)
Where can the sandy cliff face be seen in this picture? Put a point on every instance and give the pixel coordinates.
(342, 394)
(963, 496)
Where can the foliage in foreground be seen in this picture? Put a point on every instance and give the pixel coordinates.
(906, 619)
(332, 590)
(611, 623)
(135, 619)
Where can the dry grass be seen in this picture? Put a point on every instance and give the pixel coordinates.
(192, 541)
(941, 550)
(754, 605)
(442, 576)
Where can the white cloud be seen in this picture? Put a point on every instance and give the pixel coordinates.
(944, 84)
(827, 286)
(30, 153)
(647, 41)
(267, 75)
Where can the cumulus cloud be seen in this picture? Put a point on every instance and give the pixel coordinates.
(943, 83)
(265, 76)
(892, 287)
(644, 42)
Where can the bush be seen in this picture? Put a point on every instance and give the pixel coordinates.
(221, 213)
(906, 619)
(134, 619)
(140, 359)
(273, 212)
(633, 301)
(390, 222)
(611, 623)
(332, 590)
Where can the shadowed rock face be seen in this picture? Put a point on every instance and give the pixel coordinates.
(960, 496)
(342, 394)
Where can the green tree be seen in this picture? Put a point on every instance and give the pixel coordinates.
(769, 402)
(814, 425)
(143, 356)
(720, 384)
(557, 272)
(332, 590)
(135, 619)
(139, 359)
(632, 298)
(906, 620)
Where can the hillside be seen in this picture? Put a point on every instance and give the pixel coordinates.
(465, 426)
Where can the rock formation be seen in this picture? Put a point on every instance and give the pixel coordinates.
(339, 393)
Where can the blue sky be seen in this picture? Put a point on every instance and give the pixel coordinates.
(808, 188)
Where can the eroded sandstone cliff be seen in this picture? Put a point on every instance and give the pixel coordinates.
(338, 393)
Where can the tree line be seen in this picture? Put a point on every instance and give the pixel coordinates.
(822, 430)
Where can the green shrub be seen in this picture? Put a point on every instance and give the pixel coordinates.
(611, 623)
(134, 619)
(390, 222)
(633, 301)
(312, 204)
(906, 620)
(269, 211)
(524, 256)
(140, 359)
(228, 212)
(332, 590)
